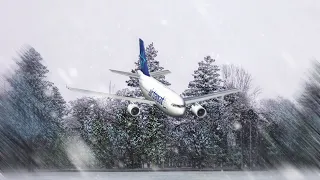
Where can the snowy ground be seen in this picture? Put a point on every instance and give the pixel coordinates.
(288, 174)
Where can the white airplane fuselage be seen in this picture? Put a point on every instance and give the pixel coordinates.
(166, 99)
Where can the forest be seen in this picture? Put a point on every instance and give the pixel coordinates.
(40, 130)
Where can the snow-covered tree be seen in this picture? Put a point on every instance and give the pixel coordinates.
(93, 117)
(129, 133)
(82, 111)
(309, 101)
(237, 77)
(200, 145)
(154, 139)
(206, 80)
(36, 106)
(310, 95)
(235, 120)
(15, 152)
(282, 132)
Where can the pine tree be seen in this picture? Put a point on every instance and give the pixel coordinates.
(310, 96)
(207, 80)
(92, 117)
(287, 134)
(309, 125)
(200, 145)
(128, 133)
(36, 105)
(154, 138)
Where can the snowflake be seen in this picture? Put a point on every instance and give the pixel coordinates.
(64, 76)
(53, 114)
(73, 72)
(48, 92)
(237, 125)
(164, 22)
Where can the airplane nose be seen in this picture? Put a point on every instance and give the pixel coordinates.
(178, 112)
(181, 111)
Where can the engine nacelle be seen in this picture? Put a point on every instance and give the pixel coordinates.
(198, 110)
(133, 109)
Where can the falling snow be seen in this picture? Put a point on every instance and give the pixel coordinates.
(164, 22)
(48, 91)
(63, 75)
(237, 126)
(73, 72)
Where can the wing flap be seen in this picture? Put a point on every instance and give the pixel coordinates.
(139, 100)
(190, 100)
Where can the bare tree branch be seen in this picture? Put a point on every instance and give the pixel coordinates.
(237, 77)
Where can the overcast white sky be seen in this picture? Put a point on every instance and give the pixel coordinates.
(80, 40)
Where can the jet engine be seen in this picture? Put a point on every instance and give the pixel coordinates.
(133, 109)
(198, 110)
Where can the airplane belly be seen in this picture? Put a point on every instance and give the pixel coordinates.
(163, 108)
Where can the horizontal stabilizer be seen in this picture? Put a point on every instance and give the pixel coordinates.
(160, 73)
(135, 75)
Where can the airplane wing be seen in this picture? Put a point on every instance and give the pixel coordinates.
(132, 99)
(190, 100)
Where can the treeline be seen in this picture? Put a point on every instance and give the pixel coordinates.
(38, 129)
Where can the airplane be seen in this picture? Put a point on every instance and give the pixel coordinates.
(156, 93)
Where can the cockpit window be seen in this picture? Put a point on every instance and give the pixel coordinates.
(176, 105)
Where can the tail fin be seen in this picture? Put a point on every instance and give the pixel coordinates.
(143, 59)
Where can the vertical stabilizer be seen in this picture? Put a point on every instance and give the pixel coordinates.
(143, 59)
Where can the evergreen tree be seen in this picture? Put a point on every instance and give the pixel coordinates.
(288, 136)
(128, 133)
(200, 145)
(310, 95)
(309, 124)
(92, 117)
(36, 107)
(207, 80)
(155, 139)
(82, 111)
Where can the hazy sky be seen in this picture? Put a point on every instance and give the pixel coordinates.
(80, 40)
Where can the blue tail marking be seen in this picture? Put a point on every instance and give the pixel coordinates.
(143, 59)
